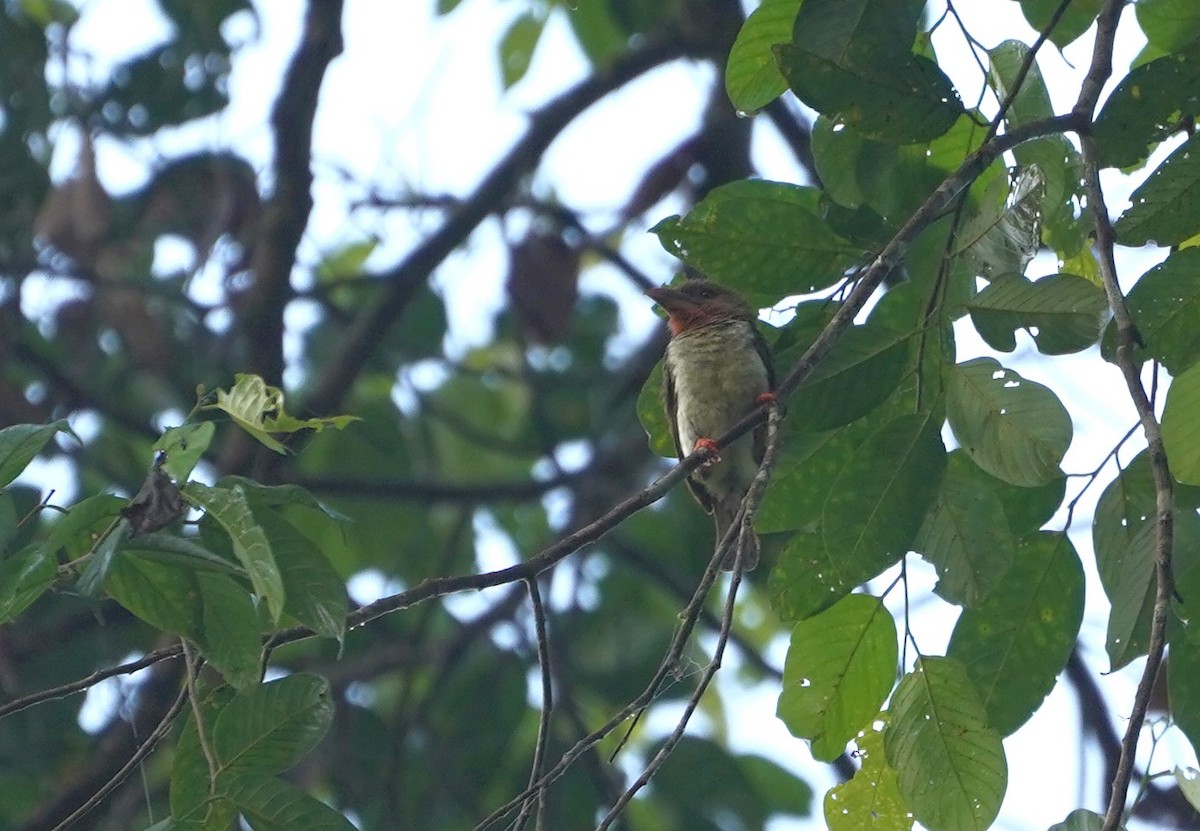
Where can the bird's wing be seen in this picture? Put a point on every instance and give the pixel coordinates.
(764, 352)
(670, 405)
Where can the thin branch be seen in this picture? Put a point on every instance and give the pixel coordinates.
(143, 750)
(430, 490)
(749, 506)
(192, 665)
(539, 751)
(81, 684)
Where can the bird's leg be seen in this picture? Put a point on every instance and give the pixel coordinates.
(710, 449)
(765, 398)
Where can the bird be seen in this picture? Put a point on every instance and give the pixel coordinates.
(716, 369)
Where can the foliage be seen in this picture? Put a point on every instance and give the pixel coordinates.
(214, 556)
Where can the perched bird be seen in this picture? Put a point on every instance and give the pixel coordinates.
(717, 368)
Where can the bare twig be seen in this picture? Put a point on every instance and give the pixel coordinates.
(141, 753)
(539, 751)
(749, 506)
(192, 665)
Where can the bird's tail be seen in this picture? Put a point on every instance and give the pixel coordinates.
(724, 513)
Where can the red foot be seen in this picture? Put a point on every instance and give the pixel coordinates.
(765, 398)
(710, 447)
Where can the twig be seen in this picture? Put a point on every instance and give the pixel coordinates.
(749, 506)
(191, 663)
(72, 687)
(539, 751)
(141, 753)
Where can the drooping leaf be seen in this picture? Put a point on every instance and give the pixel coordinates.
(1164, 304)
(1081, 819)
(840, 667)
(752, 79)
(1165, 209)
(315, 593)
(1169, 24)
(949, 762)
(20, 444)
(271, 804)
(1064, 313)
(1183, 685)
(871, 799)
(1015, 644)
(966, 535)
(1013, 428)
(870, 516)
(183, 446)
(229, 635)
(267, 728)
(1076, 19)
(1146, 107)
(1181, 426)
(517, 45)
(24, 577)
(763, 238)
(228, 506)
(166, 597)
(910, 100)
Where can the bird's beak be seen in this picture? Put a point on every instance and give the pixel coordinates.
(670, 299)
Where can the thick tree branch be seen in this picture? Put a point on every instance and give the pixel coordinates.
(402, 281)
(286, 214)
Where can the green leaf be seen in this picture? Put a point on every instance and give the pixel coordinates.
(1169, 24)
(228, 506)
(1123, 532)
(1032, 101)
(229, 637)
(752, 80)
(1181, 426)
(20, 444)
(859, 374)
(1064, 313)
(874, 507)
(839, 670)
(950, 764)
(1164, 305)
(183, 446)
(653, 415)
(270, 804)
(1146, 107)
(1188, 780)
(902, 102)
(279, 496)
(95, 570)
(267, 728)
(1015, 429)
(966, 535)
(315, 592)
(24, 577)
(1076, 20)
(1183, 686)
(1165, 209)
(1081, 820)
(345, 262)
(517, 46)
(871, 800)
(191, 805)
(182, 551)
(1017, 642)
(258, 409)
(762, 238)
(166, 597)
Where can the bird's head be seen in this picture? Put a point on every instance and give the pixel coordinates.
(697, 303)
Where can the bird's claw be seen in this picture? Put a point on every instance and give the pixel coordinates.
(765, 398)
(710, 449)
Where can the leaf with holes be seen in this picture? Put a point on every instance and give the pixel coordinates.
(1015, 429)
(1064, 313)
(839, 669)
(949, 762)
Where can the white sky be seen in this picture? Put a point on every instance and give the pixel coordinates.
(414, 103)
